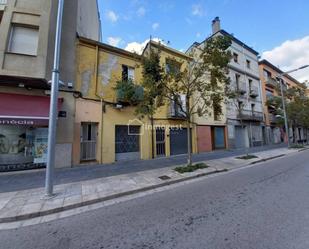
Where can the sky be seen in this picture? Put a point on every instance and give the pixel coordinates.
(278, 30)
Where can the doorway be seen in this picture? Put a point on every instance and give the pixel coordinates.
(88, 141)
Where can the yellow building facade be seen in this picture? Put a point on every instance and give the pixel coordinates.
(105, 130)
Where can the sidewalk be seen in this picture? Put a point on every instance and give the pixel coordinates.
(25, 204)
(15, 181)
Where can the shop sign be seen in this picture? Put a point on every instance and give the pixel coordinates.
(20, 121)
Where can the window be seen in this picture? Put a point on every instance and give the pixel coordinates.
(252, 107)
(127, 73)
(172, 66)
(267, 75)
(216, 109)
(1, 15)
(235, 57)
(248, 63)
(24, 40)
(237, 77)
(250, 84)
(240, 105)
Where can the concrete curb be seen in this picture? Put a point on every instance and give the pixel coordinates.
(267, 159)
(102, 199)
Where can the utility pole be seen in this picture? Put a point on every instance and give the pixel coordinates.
(280, 81)
(53, 110)
(284, 111)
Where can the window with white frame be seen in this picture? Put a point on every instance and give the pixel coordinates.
(24, 40)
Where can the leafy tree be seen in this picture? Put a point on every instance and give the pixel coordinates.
(152, 83)
(202, 80)
(297, 108)
(129, 93)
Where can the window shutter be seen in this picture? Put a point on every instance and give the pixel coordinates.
(24, 40)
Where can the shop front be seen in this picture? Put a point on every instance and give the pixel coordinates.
(23, 131)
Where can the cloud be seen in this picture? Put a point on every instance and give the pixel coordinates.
(138, 48)
(111, 16)
(197, 10)
(114, 41)
(198, 35)
(289, 55)
(141, 11)
(155, 26)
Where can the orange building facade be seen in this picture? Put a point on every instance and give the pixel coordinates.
(275, 133)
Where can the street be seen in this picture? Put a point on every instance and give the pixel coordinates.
(263, 206)
(33, 179)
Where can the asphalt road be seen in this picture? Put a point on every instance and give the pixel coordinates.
(16, 181)
(262, 207)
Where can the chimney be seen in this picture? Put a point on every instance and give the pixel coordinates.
(216, 25)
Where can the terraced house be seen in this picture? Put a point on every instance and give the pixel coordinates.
(275, 132)
(244, 114)
(27, 33)
(106, 127)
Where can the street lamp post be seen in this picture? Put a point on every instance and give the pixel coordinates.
(50, 164)
(279, 80)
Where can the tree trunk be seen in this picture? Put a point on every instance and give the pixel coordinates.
(152, 139)
(189, 158)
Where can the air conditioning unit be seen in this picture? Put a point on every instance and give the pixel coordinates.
(70, 85)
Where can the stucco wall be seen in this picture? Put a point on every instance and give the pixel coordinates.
(30, 12)
(98, 69)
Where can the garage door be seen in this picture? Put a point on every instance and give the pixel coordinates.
(178, 141)
(219, 139)
(240, 137)
(127, 142)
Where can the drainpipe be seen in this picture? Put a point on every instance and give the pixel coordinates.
(101, 99)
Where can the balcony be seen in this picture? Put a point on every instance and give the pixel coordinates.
(247, 115)
(272, 118)
(254, 92)
(241, 88)
(269, 97)
(175, 112)
(271, 82)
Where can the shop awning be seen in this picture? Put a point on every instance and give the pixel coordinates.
(18, 109)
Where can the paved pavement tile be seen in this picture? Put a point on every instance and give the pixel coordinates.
(30, 201)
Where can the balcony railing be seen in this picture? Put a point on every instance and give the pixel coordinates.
(175, 112)
(241, 88)
(254, 92)
(250, 115)
(271, 82)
